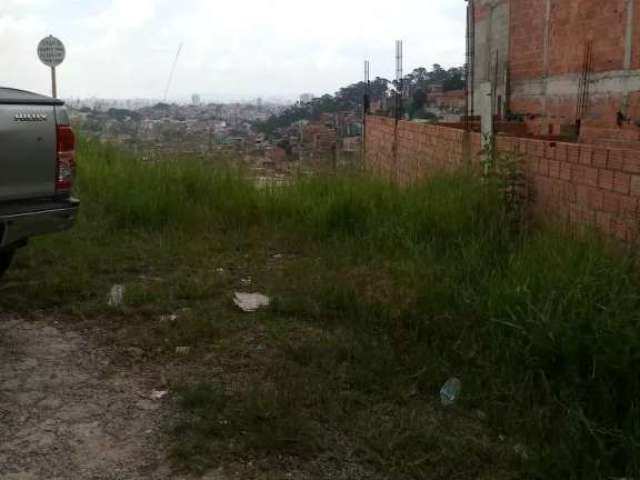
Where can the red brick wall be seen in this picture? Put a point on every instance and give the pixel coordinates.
(572, 24)
(585, 185)
(575, 22)
(527, 40)
(453, 99)
(421, 148)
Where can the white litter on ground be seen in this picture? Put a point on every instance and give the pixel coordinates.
(159, 394)
(251, 302)
(116, 296)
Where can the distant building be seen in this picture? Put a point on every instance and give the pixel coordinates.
(452, 100)
(195, 99)
(306, 98)
(436, 88)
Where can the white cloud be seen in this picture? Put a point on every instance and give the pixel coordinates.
(22, 7)
(19, 35)
(246, 48)
(122, 15)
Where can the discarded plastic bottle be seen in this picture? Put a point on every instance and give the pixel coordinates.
(450, 392)
(116, 296)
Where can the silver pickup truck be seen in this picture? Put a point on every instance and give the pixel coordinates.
(37, 168)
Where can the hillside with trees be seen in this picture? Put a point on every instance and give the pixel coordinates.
(415, 86)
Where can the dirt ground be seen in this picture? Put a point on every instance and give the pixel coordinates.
(67, 412)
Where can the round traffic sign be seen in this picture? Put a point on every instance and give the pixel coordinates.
(51, 51)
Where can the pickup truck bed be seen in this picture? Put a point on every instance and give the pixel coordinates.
(37, 163)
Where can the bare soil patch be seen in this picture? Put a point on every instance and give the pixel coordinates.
(68, 412)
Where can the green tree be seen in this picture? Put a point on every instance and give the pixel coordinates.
(419, 100)
(455, 79)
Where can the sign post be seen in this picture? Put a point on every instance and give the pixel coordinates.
(51, 52)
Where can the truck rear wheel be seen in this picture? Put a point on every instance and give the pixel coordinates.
(5, 261)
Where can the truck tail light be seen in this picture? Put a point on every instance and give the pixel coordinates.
(66, 158)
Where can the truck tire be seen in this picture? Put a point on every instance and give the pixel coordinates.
(5, 261)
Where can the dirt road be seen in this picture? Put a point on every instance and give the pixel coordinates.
(67, 413)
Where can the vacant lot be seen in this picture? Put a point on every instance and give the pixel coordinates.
(380, 295)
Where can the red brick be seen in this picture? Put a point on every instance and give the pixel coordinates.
(621, 182)
(522, 146)
(584, 175)
(503, 144)
(530, 164)
(605, 179)
(586, 154)
(616, 160)
(629, 205)
(603, 221)
(620, 230)
(543, 167)
(635, 185)
(610, 202)
(632, 161)
(550, 150)
(568, 193)
(536, 147)
(582, 196)
(599, 158)
(565, 171)
(573, 152)
(595, 198)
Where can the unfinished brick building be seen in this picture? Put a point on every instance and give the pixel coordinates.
(567, 68)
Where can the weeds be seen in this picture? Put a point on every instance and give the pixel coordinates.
(383, 295)
(506, 172)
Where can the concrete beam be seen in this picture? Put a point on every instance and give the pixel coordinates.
(615, 82)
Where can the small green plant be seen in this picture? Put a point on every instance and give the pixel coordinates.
(505, 171)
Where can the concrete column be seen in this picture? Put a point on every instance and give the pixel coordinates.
(489, 44)
(486, 110)
(547, 41)
(628, 51)
(547, 33)
(628, 41)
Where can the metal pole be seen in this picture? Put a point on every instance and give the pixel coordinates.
(472, 57)
(399, 80)
(54, 85)
(365, 110)
(467, 125)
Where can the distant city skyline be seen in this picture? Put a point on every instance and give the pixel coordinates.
(186, 100)
(232, 52)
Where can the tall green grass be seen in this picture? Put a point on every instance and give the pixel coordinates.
(543, 329)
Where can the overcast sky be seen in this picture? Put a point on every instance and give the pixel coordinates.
(232, 48)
